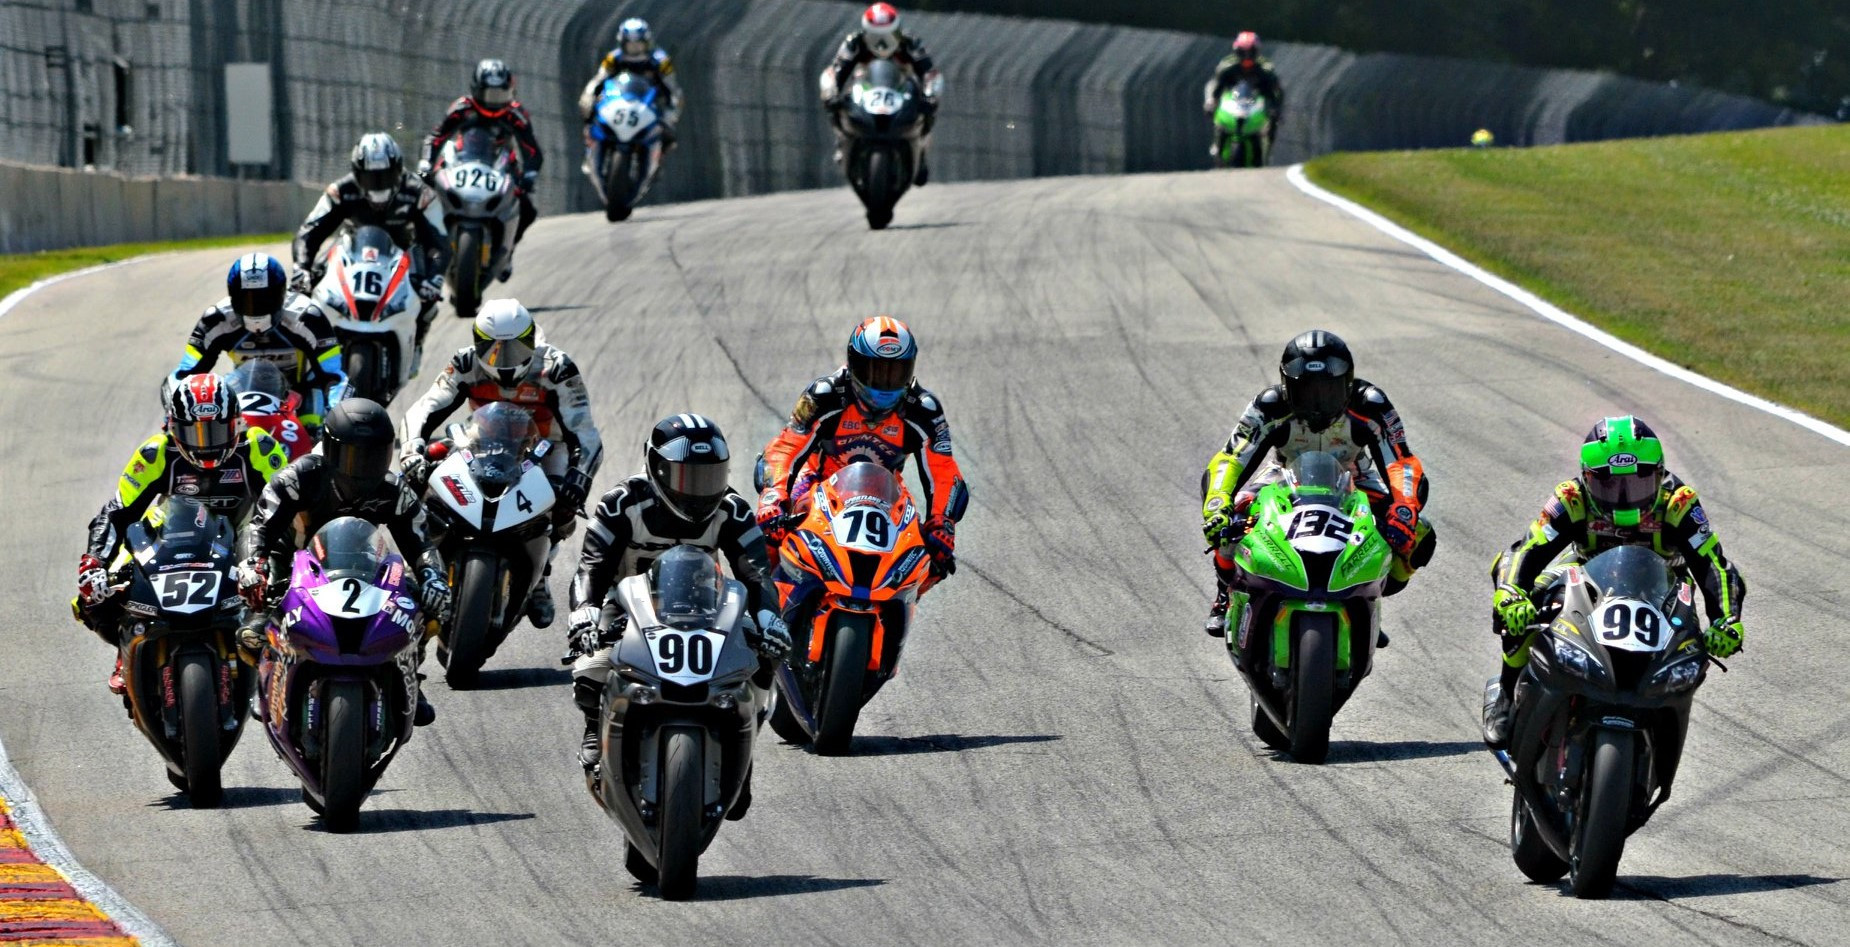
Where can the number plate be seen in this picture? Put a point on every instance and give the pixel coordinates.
(865, 529)
(685, 657)
(349, 598)
(193, 590)
(1319, 529)
(1631, 626)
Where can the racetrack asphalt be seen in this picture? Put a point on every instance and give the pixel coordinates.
(1064, 755)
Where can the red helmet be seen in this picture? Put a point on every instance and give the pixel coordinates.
(202, 418)
(1246, 45)
(880, 29)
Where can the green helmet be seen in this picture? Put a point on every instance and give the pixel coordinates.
(1622, 466)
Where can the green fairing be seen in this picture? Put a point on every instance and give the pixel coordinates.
(1266, 552)
(1236, 130)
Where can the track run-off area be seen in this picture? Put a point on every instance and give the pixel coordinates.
(1064, 756)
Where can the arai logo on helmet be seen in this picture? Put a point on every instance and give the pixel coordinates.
(1622, 460)
(889, 349)
(205, 409)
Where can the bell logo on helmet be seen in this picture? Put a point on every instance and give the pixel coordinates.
(1313, 366)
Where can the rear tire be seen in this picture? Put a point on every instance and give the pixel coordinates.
(1599, 839)
(466, 274)
(199, 731)
(850, 640)
(1313, 685)
(1532, 855)
(617, 187)
(1267, 731)
(784, 721)
(467, 643)
(683, 812)
(343, 756)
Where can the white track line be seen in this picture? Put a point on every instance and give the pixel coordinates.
(18, 296)
(1560, 317)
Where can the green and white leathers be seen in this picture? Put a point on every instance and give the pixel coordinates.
(1244, 125)
(1303, 609)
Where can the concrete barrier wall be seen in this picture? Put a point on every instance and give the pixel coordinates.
(52, 208)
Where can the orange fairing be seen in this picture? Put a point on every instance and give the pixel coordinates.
(860, 541)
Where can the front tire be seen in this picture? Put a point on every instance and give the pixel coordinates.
(365, 371)
(1532, 855)
(477, 575)
(343, 756)
(1313, 701)
(466, 265)
(617, 186)
(199, 731)
(1599, 839)
(683, 810)
(850, 641)
(880, 196)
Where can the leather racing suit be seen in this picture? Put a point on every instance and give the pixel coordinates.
(300, 341)
(511, 121)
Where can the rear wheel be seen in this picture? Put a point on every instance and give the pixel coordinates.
(467, 645)
(683, 811)
(343, 755)
(1599, 839)
(466, 265)
(1533, 856)
(199, 730)
(617, 186)
(850, 638)
(1313, 685)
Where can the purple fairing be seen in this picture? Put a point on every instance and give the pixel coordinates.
(342, 619)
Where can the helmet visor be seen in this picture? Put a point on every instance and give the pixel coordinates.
(257, 302)
(1610, 491)
(692, 488)
(496, 96)
(205, 441)
(505, 355)
(1320, 397)
(880, 374)
(373, 180)
(360, 463)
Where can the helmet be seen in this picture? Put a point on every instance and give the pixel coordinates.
(686, 462)
(1318, 372)
(377, 167)
(257, 286)
(686, 587)
(357, 440)
(634, 38)
(880, 30)
(880, 356)
(505, 339)
(1622, 466)
(492, 88)
(1246, 46)
(202, 418)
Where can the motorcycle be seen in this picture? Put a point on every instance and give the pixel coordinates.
(626, 151)
(859, 555)
(883, 117)
(1600, 715)
(366, 288)
(1242, 128)
(187, 691)
(1311, 569)
(492, 507)
(266, 403)
(339, 671)
(476, 175)
(678, 717)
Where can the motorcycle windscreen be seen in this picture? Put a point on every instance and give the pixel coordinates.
(478, 145)
(261, 387)
(885, 74)
(1631, 572)
(865, 479)
(685, 586)
(350, 547)
(1318, 472)
(628, 85)
(499, 436)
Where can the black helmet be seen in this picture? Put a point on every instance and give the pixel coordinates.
(1318, 372)
(358, 441)
(686, 461)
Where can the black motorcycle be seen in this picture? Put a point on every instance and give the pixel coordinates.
(883, 116)
(1601, 713)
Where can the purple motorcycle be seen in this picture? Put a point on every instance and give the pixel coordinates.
(339, 674)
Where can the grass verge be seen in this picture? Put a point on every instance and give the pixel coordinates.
(19, 270)
(1727, 253)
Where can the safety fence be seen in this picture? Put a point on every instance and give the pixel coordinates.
(50, 208)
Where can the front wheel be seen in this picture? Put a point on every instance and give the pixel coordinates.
(1533, 856)
(466, 265)
(199, 730)
(850, 643)
(1599, 839)
(343, 756)
(365, 371)
(683, 810)
(617, 186)
(1313, 702)
(879, 196)
(477, 576)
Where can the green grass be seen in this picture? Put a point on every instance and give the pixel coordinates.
(1728, 254)
(18, 270)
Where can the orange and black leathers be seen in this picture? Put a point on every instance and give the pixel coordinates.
(828, 431)
(512, 120)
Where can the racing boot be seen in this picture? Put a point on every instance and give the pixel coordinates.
(117, 685)
(922, 176)
(540, 611)
(1216, 625)
(588, 695)
(589, 753)
(1496, 714)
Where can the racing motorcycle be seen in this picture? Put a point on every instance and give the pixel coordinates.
(476, 175)
(266, 403)
(366, 289)
(860, 555)
(339, 672)
(187, 690)
(883, 118)
(492, 508)
(1242, 128)
(677, 717)
(626, 150)
(1311, 569)
(1600, 715)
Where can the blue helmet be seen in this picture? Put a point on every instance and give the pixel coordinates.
(257, 286)
(634, 38)
(880, 356)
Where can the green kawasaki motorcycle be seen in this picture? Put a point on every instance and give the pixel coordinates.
(1303, 616)
(1242, 128)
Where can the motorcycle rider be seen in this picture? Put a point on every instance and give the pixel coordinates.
(680, 498)
(880, 38)
(348, 475)
(871, 409)
(507, 362)
(491, 104)
(378, 192)
(1624, 496)
(637, 54)
(1319, 405)
(259, 318)
(1247, 64)
(201, 453)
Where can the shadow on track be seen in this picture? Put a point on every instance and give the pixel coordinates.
(947, 225)
(382, 821)
(743, 887)
(508, 679)
(555, 308)
(238, 797)
(1662, 888)
(939, 743)
(1357, 751)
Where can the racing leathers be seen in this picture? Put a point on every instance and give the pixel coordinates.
(300, 341)
(511, 121)
(413, 217)
(157, 470)
(1367, 439)
(658, 68)
(911, 55)
(1264, 77)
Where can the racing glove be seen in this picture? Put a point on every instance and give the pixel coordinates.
(424, 168)
(941, 542)
(1401, 528)
(92, 580)
(1223, 528)
(436, 594)
(301, 282)
(1724, 636)
(431, 290)
(1514, 608)
(772, 510)
(773, 638)
(254, 581)
(529, 182)
(582, 632)
(574, 490)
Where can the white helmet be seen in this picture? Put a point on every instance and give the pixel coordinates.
(880, 30)
(377, 167)
(505, 339)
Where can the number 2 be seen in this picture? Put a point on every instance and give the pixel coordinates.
(352, 586)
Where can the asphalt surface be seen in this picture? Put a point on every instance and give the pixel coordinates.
(1065, 756)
